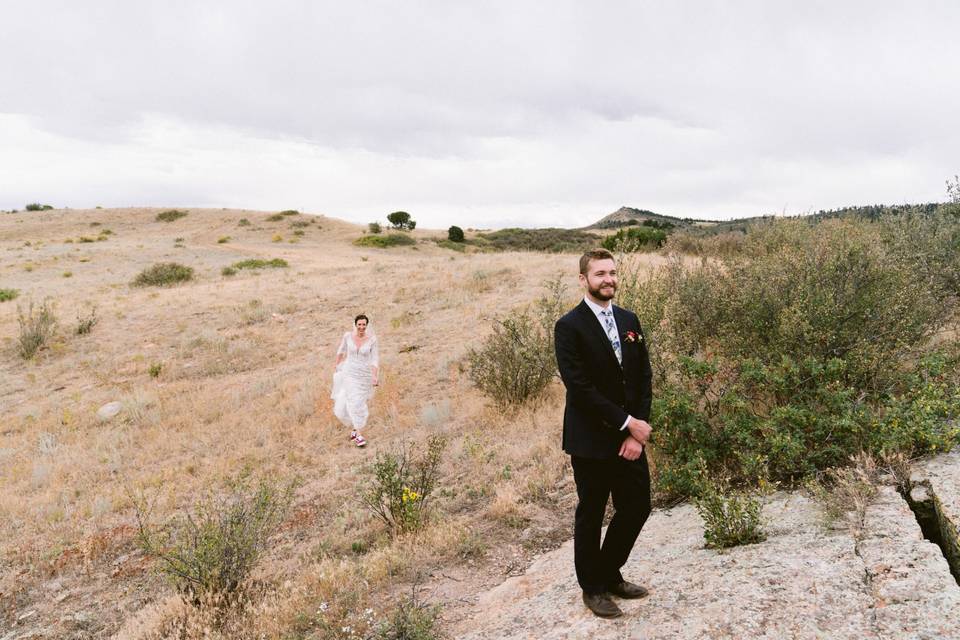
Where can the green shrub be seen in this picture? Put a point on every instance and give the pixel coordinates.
(459, 247)
(163, 274)
(300, 224)
(730, 517)
(223, 240)
(276, 217)
(385, 241)
(374, 228)
(243, 222)
(455, 234)
(644, 238)
(209, 551)
(170, 215)
(228, 271)
(516, 362)
(257, 263)
(36, 206)
(399, 485)
(548, 240)
(289, 212)
(299, 233)
(37, 326)
(155, 369)
(8, 294)
(795, 354)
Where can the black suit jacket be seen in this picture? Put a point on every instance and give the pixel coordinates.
(600, 392)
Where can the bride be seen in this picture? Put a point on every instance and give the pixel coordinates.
(356, 372)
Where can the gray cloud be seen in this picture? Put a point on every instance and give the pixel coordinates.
(494, 108)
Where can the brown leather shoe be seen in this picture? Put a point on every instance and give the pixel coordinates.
(628, 590)
(602, 605)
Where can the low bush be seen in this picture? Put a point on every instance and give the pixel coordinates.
(37, 326)
(642, 238)
(730, 517)
(257, 263)
(36, 206)
(170, 215)
(411, 620)
(8, 294)
(289, 212)
(399, 485)
(163, 274)
(228, 271)
(844, 493)
(459, 247)
(374, 228)
(208, 551)
(385, 241)
(547, 240)
(243, 222)
(516, 362)
(87, 321)
(223, 240)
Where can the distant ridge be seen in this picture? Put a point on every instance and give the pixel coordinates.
(623, 216)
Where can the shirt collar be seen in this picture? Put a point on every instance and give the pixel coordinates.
(595, 307)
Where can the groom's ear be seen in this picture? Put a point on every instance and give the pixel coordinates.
(583, 279)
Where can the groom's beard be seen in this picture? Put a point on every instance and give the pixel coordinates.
(600, 295)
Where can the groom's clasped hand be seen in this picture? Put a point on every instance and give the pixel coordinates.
(633, 444)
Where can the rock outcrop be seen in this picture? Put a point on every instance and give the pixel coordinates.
(878, 580)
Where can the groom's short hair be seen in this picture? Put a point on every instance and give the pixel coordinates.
(593, 254)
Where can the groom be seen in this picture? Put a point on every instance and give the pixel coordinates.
(605, 367)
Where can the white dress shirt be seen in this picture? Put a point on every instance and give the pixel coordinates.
(596, 308)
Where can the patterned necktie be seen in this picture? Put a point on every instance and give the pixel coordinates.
(612, 333)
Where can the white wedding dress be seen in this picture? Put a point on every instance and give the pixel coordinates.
(353, 380)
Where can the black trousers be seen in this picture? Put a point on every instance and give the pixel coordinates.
(598, 565)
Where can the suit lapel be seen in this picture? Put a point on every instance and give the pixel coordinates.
(590, 318)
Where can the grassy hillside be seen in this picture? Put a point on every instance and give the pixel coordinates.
(228, 373)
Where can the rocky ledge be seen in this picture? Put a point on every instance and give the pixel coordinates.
(879, 580)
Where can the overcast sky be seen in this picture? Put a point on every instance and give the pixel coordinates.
(482, 114)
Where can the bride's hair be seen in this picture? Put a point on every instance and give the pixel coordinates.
(359, 318)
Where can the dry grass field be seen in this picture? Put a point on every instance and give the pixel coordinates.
(230, 374)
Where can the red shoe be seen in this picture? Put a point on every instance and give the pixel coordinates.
(360, 441)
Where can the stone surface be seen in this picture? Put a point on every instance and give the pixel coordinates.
(804, 581)
(109, 410)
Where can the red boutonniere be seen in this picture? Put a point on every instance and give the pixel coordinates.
(632, 336)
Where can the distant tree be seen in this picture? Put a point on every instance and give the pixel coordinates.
(455, 234)
(374, 227)
(401, 220)
(412, 225)
(36, 206)
(398, 219)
